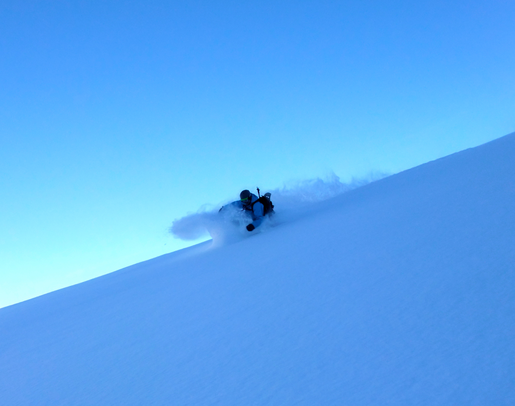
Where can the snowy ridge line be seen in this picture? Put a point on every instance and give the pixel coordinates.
(291, 201)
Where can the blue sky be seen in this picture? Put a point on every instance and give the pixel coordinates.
(118, 117)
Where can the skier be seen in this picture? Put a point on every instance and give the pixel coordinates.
(255, 207)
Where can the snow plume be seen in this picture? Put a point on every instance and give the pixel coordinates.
(193, 226)
(296, 198)
(289, 202)
(316, 190)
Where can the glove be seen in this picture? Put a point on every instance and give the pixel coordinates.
(250, 227)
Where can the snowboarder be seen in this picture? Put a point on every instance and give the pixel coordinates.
(255, 207)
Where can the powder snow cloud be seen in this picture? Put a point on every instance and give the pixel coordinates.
(290, 201)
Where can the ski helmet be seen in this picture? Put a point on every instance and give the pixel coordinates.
(245, 196)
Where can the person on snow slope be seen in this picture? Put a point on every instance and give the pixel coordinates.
(253, 206)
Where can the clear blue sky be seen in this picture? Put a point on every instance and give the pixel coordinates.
(118, 117)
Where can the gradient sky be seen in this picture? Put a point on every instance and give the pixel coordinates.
(118, 117)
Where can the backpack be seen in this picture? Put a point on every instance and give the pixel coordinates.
(268, 206)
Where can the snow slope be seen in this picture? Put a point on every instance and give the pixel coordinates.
(401, 292)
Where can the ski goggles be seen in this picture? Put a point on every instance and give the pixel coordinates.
(245, 200)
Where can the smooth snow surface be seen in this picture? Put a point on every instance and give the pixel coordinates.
(401, 292)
